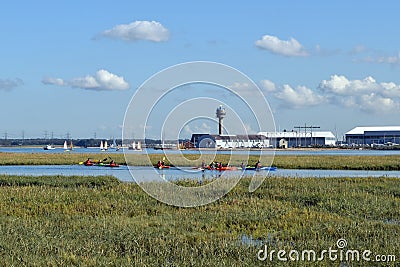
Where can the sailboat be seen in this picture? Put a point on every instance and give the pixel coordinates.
(133, 146)
(114, 144)
(101, 146)
(105, 145)
(139, 146)
(71, 147)
(65, 146)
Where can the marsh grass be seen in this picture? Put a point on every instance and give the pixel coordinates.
(339, 162)
(53, 221)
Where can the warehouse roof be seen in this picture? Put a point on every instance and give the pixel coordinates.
(362, 130)
(297, 134)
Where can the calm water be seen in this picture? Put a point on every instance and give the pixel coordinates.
(123, 174)
(253, 152)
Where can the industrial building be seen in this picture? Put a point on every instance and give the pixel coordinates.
(262, 139)
(229, 141)
(300, 139)
(377, 135)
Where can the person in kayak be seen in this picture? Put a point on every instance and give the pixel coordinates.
(243, 166)
(212, 165)
(258, 165)
(203, 165)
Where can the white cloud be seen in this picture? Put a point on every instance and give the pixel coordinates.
(197, 128)
(240, 86)
(366, 95)
(392, 60)
(339, 84)
(102, 80)
(375, 103)
(301, 96)
(53, 81)
(291, 47)
(368, 55)
(139, 30)
(9, 84)
(358, 49)
(87, 82)
(268, 86)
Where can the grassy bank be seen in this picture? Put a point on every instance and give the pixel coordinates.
(340, 162)
(53, 221)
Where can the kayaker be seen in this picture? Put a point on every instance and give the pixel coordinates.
(243, 166)
(258, 165)
(212, 165)
(159, 164)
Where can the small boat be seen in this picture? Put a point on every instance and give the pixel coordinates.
(139, 146)
(223, 168)
(105, 145)
(101, 146)
(114, 144)
(65, 146)
(110, 165)
(48, 147)
(132, 146)
(272, 168)
(162, 167)
(227, 168)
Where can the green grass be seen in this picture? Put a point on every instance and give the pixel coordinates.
(99, 221)
(340, 162)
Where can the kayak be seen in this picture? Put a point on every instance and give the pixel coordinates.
(88, 163)
(111, 165)
(162, 167)
(224, 168)
(261, 169)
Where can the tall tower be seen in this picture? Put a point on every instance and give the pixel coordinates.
(221, 113)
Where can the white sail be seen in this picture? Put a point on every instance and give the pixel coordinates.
(65, 145)
(133, 145)
(101, 145)
(114, 144)
(105, 145)
(139, 146)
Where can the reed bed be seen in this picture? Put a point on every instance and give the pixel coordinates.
(338, 162)
(53, 221)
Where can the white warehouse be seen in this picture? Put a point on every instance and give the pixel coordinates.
(264, 140)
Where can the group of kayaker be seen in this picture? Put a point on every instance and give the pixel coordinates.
(219, 166)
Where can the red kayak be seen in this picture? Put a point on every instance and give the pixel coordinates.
(224, 168)
(112, 165)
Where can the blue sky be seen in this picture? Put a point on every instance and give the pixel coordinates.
(73, 66)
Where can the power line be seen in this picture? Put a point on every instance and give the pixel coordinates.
(305, 127)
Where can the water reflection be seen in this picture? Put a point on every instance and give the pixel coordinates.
(173, 174)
